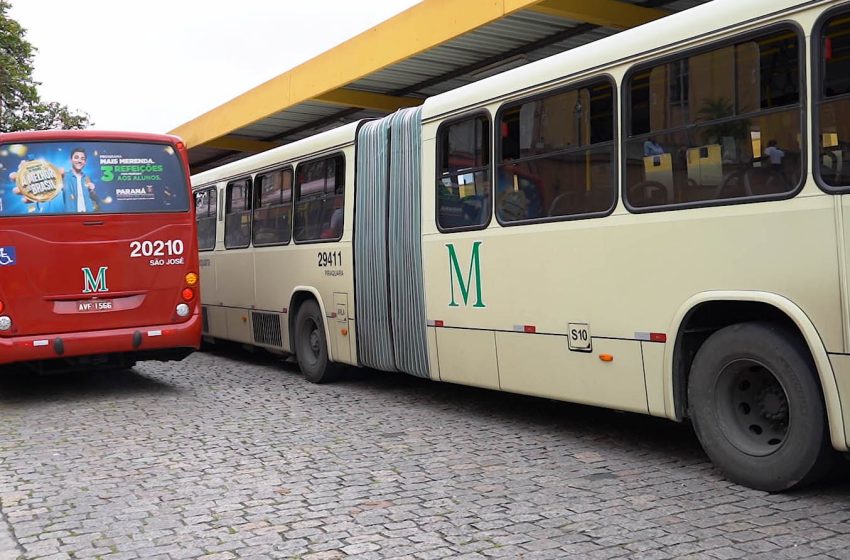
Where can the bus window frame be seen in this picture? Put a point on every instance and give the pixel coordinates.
(228, 200)
(296, 196)
(615, 162)
(220, 206)
(818, 74)
(488, 168)
(185, 172)
(209, 188)
(255, 193)
(626, 111)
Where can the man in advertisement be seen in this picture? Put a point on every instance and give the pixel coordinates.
(78, 188)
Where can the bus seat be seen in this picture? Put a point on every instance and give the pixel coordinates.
(648, 193)
(563, 204)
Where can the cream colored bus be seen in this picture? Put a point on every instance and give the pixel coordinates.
(654, 222)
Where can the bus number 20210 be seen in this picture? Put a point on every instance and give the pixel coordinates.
(158, 248)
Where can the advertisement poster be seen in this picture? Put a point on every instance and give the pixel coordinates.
(90, 177)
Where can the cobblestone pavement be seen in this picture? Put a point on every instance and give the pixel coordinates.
(233, 455)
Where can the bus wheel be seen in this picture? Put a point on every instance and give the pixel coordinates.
(756, 407)
(311, 348)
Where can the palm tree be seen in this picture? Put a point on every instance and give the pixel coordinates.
(720, 109)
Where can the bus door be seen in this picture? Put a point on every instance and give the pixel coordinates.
(236, 291)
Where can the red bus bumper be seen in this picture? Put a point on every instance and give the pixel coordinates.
(148, 342)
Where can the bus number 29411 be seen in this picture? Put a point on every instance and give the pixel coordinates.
(157, 248)
(330, 258)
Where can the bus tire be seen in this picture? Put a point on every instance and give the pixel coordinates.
(311, 347)
(757, 409)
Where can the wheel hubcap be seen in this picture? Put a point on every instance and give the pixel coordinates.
(314, 341)
(309, 346)
(752, 407)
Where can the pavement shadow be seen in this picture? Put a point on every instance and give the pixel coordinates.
(625, 430)
(639, 433)
(530, 411)
(21, 385)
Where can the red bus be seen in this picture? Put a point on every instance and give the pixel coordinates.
(98, 250)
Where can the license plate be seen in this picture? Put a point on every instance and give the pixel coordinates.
(94, 305)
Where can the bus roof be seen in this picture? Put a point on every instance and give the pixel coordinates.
(306, 147)
(645, 41)
(114, 135)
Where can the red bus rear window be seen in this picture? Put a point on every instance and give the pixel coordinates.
(91, 176)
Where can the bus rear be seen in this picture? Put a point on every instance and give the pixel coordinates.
(98, 256)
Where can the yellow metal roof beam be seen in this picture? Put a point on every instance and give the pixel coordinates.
(608, 13)
(240, 144)
(367, 100)
(424, 25)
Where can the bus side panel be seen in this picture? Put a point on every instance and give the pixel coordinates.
(310, 265)
(627, 275)
(843, 223)
(433, 354)
(207, 277)
(352, 336)
(339, 328)
(543, 365)
(841, 367)
(468, 357)
(216, 321)
(238, 325)
(653, 367)
(234, 279)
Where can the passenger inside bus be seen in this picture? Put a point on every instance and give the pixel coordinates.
(334, 223)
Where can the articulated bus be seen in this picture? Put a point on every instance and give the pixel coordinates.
(98, 250)
(653, 222)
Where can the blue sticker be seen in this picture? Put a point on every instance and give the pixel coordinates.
(7, 256)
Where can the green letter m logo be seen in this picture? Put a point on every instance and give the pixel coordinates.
(92, 284)
(474, 270)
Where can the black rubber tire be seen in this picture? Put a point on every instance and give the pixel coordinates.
(311, 347)
(757, 408)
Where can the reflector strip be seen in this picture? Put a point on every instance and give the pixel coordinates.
(154, 333)
(525, 328)
(651, 337)
(40, 342)
(435, 323)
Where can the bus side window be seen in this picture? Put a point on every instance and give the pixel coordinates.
(320, 199)
(463, 177)
(557, 155)
(237, 214)
(717, 125)
(272, 208)
(832, 155)
(205, 214)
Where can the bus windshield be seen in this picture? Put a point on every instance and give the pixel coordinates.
(60, 177)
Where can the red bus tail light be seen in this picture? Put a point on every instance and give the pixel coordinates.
(188, 294)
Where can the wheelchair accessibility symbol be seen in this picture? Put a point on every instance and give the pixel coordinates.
(7, 256)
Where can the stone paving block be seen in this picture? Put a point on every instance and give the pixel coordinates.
(231, 455)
